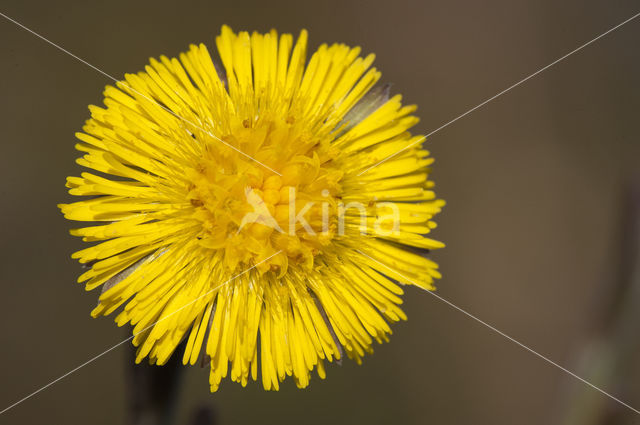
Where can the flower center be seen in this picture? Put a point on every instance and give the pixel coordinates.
(255, 217)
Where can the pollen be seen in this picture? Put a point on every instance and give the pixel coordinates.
(241, 203)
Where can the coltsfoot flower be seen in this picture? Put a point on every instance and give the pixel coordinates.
(240, 212)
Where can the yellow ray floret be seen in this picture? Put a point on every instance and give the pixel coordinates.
(230, 214)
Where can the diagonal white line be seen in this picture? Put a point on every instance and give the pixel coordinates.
(132, 336)
(480, 105)
(532, 351)
(136, 91)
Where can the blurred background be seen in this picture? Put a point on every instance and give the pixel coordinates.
(541, 225)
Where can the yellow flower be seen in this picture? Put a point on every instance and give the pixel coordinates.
(241, 213)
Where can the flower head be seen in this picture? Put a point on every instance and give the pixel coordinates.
(245, 212)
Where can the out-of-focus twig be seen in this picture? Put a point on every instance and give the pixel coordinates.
(612, 351)
(152, 392)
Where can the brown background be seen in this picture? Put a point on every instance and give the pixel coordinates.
(534, 181)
